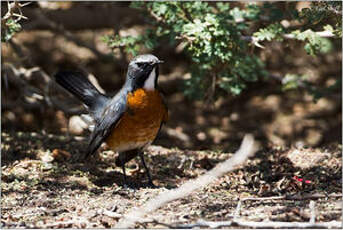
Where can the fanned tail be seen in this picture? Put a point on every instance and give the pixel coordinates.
(79, 85)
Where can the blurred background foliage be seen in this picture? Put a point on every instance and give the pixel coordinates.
(270, 68)
(215, 37)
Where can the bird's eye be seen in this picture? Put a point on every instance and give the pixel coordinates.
(140, 64)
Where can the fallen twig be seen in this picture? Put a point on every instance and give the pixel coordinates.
(313, 212)
(312, 196)
(293, 197)
(238, 210)
(247, 148)
(109, 213)
(263, 198)
(264, 224)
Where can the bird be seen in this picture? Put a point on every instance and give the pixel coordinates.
(129, 121)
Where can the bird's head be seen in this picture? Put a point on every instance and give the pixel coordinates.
(143, 72)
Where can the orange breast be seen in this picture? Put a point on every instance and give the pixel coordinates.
(140, 123)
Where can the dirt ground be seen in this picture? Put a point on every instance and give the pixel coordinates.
(46, 184)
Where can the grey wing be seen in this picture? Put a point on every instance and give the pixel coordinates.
(110, 118)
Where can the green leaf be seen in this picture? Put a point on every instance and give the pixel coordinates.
(237, 14)
(10, 29)
(223, 7)
(272, 31)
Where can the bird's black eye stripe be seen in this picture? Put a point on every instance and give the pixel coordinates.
(141, 64)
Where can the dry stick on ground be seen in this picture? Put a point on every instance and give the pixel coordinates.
(237, 210)
(293, 197)
(313, 212)
(136, 214)
(265, 224)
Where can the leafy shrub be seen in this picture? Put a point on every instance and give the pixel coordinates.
(216, 38)
(10, 27)
(10, 21)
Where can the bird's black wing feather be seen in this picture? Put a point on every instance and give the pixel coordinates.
(110, 118)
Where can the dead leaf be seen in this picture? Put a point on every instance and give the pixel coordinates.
(60, 155)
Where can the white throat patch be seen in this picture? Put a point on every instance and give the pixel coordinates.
(149, 83)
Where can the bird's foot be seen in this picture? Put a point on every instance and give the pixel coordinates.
(151, 185)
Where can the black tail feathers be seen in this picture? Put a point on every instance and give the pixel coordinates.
(79, 85)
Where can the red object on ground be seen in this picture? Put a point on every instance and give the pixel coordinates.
(302, 180)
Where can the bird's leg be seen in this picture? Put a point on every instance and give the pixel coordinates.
(122, 162)
(122, 159)
(141, 155)
(124, 175)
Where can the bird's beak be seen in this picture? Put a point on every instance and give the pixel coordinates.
(159, 62)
